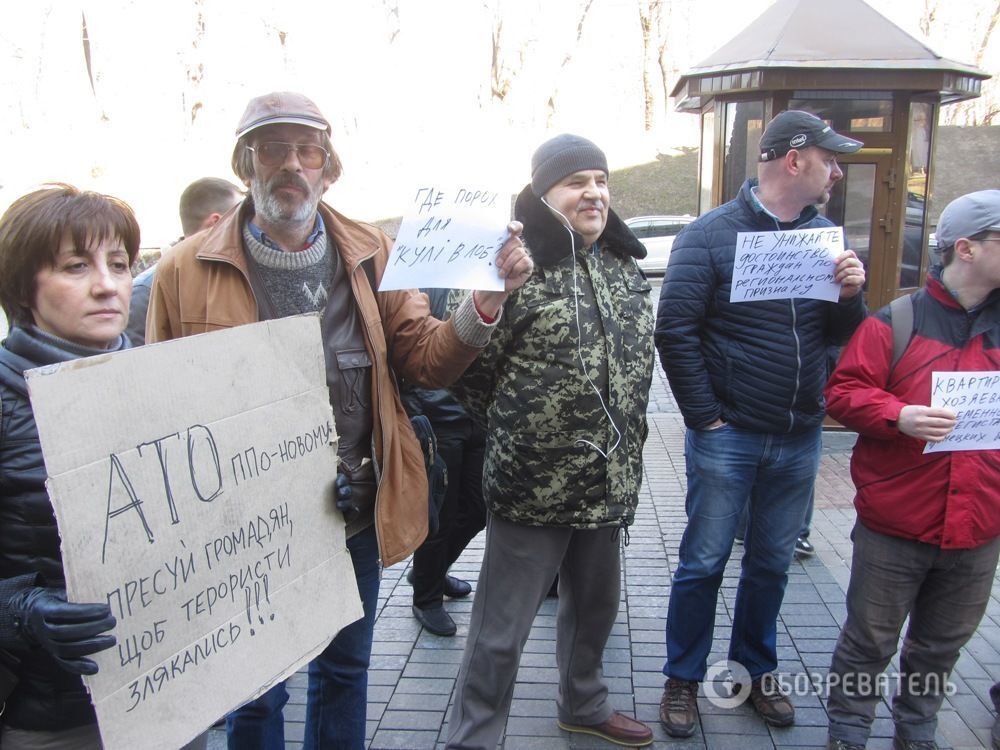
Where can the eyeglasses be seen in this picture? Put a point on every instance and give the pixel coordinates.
(274, 153)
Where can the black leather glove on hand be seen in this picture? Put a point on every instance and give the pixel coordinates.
(342, 491)
(66, 630)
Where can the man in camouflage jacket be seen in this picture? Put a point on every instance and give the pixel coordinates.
(563, 388)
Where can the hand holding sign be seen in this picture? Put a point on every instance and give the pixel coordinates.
(450, 238)
(929, 423)
(796, 263)
(974, 400)
(514, 265)
(849, 273)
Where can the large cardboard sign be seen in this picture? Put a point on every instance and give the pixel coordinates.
(193, 486)
(975, 399)
(449, 239)
(787, 265)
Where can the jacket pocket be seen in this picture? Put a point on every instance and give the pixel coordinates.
(547, 478)
(355, 379)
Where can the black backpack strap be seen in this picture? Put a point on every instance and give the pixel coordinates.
(901, 315)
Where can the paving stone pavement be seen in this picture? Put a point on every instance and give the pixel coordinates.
(413, 673)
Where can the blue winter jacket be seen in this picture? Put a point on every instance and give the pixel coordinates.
(760, 366)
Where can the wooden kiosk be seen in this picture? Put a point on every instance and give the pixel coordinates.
(866, 77)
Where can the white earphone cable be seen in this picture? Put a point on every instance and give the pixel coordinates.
(579, 345)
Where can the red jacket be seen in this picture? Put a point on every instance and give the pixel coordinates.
(949, 499)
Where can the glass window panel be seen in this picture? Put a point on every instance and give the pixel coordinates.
(707, 166)
(744, 124)
(864, 112)
(918, 157)
(850, 206)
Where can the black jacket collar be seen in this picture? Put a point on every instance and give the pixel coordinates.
(548, 242)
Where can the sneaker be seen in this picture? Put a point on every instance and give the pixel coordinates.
(832, 743)
(435, 620)
(619, 729)
(679, 707)
(901, 744)
(803, 548)
(768, 697)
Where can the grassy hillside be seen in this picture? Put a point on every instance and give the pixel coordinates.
(668, 185)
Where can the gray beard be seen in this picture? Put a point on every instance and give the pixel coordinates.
(276, 213)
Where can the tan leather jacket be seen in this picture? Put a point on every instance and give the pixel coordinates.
(202, 285)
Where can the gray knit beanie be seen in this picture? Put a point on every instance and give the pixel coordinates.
(562, 156)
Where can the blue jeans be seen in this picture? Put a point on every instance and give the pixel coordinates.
(944, 593)
(728, 468)
(337, 698)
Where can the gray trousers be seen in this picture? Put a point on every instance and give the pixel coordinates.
(519, 565)
(944, 593)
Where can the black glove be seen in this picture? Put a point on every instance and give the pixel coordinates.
(67, 630)
(343, 492)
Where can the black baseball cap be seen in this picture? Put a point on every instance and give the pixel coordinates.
(794, 128)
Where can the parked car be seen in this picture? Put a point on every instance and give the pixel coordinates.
(657, 234)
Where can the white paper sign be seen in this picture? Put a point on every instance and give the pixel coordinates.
(449, 239)
(975, 399)
(193, 486)
(786, 265)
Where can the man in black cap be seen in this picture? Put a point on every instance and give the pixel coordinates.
(563, 388)
(748, 378)
(285, 252)
(927, 536)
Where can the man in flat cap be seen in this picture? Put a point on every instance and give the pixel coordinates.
(748, 378)
(927, 535)
(563, 388)
(284, 252)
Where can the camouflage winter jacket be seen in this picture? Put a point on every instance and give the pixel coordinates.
(547, 425)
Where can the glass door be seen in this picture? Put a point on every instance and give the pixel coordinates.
(860, 204)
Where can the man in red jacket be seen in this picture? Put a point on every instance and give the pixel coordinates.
(927, 537)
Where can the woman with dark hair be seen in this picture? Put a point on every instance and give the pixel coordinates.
(64, 285)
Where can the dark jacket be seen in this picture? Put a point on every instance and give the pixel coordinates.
(47, 697)
(756, 365)
(437, 404)
(539, 405)
(949, 499)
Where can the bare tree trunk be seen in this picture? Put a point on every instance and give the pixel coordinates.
(649, 13)
(994, 16)
(89, 63)
(985, 109)
(499, 82)
(553, 97)
(392, 18)
(928, 16)
(989, 107)
(195, 67)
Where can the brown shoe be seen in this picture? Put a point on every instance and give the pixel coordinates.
(768, 697)
(679, 707)
(619, 729)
